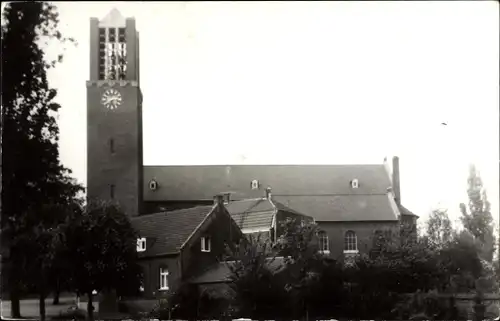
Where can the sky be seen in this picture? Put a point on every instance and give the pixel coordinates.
(306, 83)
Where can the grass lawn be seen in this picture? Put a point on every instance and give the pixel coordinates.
(30, 308)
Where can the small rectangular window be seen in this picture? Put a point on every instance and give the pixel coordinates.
(112, 146)
(206, 245)
(141, 244)
(112, 35)
(112, 191)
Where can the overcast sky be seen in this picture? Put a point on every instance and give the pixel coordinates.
(317, 82)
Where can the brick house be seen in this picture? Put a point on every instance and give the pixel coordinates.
(184, 244)
(174, 246)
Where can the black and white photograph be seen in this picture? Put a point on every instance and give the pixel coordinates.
(250, 160)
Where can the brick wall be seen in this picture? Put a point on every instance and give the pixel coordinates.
(122, 166)
(364, 232)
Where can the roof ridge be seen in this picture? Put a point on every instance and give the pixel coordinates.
(246, 200)
(265, 165)
(337, 194)
(173, 211)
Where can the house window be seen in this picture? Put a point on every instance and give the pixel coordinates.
(324, 246)
(141, 244)
(350, 242)
(163, 278)
(206, 245)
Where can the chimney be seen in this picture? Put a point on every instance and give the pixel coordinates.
(219, 199)
(395, 179)
(227, 198)
(268, 193)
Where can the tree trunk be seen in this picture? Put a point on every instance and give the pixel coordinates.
(42, 305)
(90, 307)
(56, 294)
(15, 308)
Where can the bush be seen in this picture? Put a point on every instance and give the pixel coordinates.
(160, 311)
(73, 313)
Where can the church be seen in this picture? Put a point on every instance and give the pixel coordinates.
(175, 207)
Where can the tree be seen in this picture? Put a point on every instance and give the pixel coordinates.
(478, 220)
(461, 262)
(40, 247)
(100, 245)
(58, 274)
(31, 171)
(299, 246)
(438, 228)
(259, 292)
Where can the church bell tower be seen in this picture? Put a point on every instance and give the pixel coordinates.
(114, 114)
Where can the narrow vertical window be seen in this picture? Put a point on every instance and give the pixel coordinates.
(112, 191)
(102, 34)
(324, 245)
(112, 34)
(206, 244)
(163, 278)
(350, 242)
(111, 145)
(121, 35)
(102, 53)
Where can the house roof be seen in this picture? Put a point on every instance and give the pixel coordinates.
(252, 214)
(282, 207)
(256, 214)
(221, 272)
(184, 183)
(344, 207)
(404, 211)
(166, 232)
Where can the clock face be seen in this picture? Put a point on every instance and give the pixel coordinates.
(111, 99)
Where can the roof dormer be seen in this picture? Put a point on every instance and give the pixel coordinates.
(255, 184)
(354, 183)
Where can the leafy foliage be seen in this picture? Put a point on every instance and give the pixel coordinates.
(299, 246)
(100, 245)
(478, 220)
(439, 229)
(254, 278)
(34, 183)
